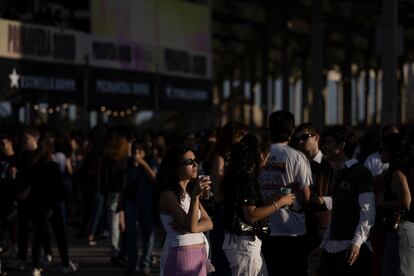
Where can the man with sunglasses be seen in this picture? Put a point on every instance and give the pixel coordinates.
(317, 211)
(286, 168)
(307, 138)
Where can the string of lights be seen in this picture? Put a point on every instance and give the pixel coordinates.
(105, 110)
(119, 113)
(50, 109)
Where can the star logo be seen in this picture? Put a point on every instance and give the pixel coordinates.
(14, 79)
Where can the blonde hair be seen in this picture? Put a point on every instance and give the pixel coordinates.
(117, 148)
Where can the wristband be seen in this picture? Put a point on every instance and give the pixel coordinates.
(275, 204)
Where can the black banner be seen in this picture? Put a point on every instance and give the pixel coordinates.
(119, 89)
(40, 81)
(22, 80)
(184, 62)
(177, 93)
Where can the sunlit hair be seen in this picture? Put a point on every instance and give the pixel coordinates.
(117, 148)
(45, 151)
(390, 128)
(228, 135)
(32, 132)
(314, 130)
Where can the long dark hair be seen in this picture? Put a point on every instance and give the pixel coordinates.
(117, 147)
(167, 176)
(228, 136)
(44, 152)
(244, 165)
(245, 156)
(397, 145)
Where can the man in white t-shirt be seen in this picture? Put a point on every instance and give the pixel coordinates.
(284, 250)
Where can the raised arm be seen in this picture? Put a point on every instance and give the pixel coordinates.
(189, 222)
(148, 170)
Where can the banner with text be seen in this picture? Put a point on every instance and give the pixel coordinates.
(119, 89)
(182, 47)
(124, 55)
(38, 80)
(179, 30)
(185, 94)
(26, 41)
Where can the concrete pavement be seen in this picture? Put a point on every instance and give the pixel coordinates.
(92, 260)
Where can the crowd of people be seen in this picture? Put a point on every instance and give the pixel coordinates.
(289, 200)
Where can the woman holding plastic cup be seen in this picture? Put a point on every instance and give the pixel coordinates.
(244, 208)
(182, 215)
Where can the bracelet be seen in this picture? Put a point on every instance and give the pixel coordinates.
(275, 204)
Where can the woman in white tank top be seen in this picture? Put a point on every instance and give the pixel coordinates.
(182, 215)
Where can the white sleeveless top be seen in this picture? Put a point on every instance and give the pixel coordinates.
(176, 239)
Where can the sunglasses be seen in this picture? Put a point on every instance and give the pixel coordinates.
(304, 137)
(189, 162)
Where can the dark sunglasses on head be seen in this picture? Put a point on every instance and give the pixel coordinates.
(189, 162)
(304, 137)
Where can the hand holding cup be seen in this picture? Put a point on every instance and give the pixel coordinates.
(205, 184)
(286, 197)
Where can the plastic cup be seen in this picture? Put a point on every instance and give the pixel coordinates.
(207, 194)
(283, 192)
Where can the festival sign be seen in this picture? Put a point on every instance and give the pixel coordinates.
(27, 41)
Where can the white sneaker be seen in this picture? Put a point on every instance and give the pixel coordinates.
(37, 272)
(49, 258)
(71, 268)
